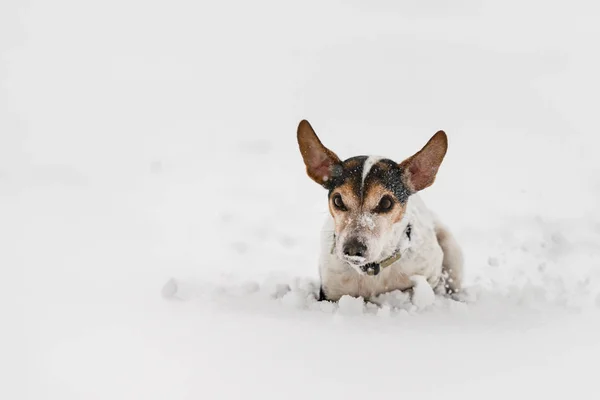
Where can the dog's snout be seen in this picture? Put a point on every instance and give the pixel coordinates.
(355, 248)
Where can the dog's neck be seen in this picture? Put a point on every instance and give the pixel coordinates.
(375, 268)
(401, 235)
(401, 240)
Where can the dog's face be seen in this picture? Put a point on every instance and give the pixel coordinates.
(368, 195)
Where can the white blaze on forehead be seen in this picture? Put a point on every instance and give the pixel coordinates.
(369, 162)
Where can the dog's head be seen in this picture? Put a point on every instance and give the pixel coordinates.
(368, 195)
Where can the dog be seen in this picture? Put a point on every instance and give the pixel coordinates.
(379, 234)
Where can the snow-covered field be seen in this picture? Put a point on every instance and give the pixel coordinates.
(146, 146)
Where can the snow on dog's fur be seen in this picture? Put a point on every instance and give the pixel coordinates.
(377, 222)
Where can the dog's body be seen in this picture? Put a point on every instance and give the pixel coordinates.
(379, 233)
(427, 248)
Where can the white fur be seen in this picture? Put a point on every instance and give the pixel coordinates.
(422, 255)
(367, 165)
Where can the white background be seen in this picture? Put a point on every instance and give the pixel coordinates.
(144, 140)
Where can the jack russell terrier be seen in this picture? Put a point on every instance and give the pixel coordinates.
(379, 233)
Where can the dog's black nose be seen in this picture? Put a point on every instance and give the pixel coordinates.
(354, 248)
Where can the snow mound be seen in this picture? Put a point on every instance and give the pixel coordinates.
(349, 305)
(478, 301)
(300, 294)
(423, 295)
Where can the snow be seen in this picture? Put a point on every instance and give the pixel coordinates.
(349, 305)
(159, 233)
(366, 220)
(423, 295)
(357, 260)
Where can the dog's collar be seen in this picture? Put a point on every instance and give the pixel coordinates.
(375, 268)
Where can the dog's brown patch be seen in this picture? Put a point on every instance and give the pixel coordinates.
(351, 202)
(374, 192)
(360, 198)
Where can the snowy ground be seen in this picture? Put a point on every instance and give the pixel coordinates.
(147, 141)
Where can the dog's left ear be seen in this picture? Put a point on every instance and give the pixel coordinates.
(419, 171)
(319, 160)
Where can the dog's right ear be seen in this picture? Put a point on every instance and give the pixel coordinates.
(319, 160)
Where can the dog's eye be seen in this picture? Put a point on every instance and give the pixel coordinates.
(338, 203)
(385, 204)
